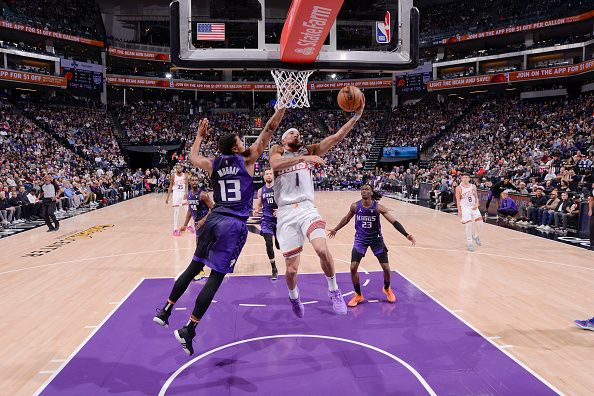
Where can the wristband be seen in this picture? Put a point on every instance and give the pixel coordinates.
(356, 117)
(400, 228)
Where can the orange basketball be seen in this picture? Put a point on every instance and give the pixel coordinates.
(350, 98)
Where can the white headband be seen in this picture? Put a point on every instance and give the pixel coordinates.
(288, 131)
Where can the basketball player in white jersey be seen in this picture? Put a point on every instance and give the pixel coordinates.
(297, 216)
(468, 212)
(178, 187)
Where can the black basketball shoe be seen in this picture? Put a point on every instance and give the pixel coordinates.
(162, 318)
(185, 335)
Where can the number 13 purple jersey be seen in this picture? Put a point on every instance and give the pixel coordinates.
(233, 186)
(367, 223)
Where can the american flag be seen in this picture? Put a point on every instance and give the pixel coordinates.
(211, 31)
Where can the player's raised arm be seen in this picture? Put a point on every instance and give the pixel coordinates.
(386, 213)
(278, 163)
(196, 159)
(256, 149)
(345, 220)
(325, 145)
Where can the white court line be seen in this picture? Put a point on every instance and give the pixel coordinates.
(310, 302)
(506, 346)
(348, 294)
(57, 360)
(50, 379)
(366, 282)
(114, 303)
(91, 327)
(103, 257)
(525, 367)
(372, 301)
(47, 372)
(180, 309)
(414, 372)
(252, 305)
(494, 337)
(457, 310)
(492, 254)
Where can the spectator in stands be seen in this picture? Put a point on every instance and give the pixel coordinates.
(507, 206)
(548, 213)
(15, 202)
(536, 206)
(6, 211)
(566, 209)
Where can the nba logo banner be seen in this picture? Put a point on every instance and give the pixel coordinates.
(382, 30)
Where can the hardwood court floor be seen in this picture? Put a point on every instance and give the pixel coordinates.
(522, 290)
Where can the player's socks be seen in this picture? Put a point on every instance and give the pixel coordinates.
(468, 227)
(294, 294)
(386, 285)
(357, 287)
(332, 285)
(169, 306)
(175, 216)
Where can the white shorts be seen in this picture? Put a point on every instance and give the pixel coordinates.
(295, 223)
(469, 214)
(177, 198)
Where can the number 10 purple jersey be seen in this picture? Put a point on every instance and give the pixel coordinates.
(233, 186)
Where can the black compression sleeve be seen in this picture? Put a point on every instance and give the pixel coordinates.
(399, 227)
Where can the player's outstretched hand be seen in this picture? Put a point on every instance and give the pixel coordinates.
(314, 159)
(203, 128)
(182, 229)
(412, 239)
(255, 213)
(332, 234)
(359, 111)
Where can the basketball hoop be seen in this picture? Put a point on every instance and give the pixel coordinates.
(291, 88)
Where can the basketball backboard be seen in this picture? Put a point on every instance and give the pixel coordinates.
(245, 35)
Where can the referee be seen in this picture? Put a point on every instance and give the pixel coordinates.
(49, 191)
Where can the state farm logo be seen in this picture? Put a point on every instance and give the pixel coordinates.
(314, 27)
(305, 51)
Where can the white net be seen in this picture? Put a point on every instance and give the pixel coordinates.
(291, 88)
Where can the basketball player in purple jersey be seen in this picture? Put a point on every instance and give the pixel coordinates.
(368, 233)
(224, 233)
(268, 225)
(199, 204)
(297, 215)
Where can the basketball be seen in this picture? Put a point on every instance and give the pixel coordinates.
(350, 98)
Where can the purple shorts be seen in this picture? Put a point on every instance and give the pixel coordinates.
(378, 247)
(268, 225)
(220, 241)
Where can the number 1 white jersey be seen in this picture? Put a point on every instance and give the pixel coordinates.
(294, 184)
